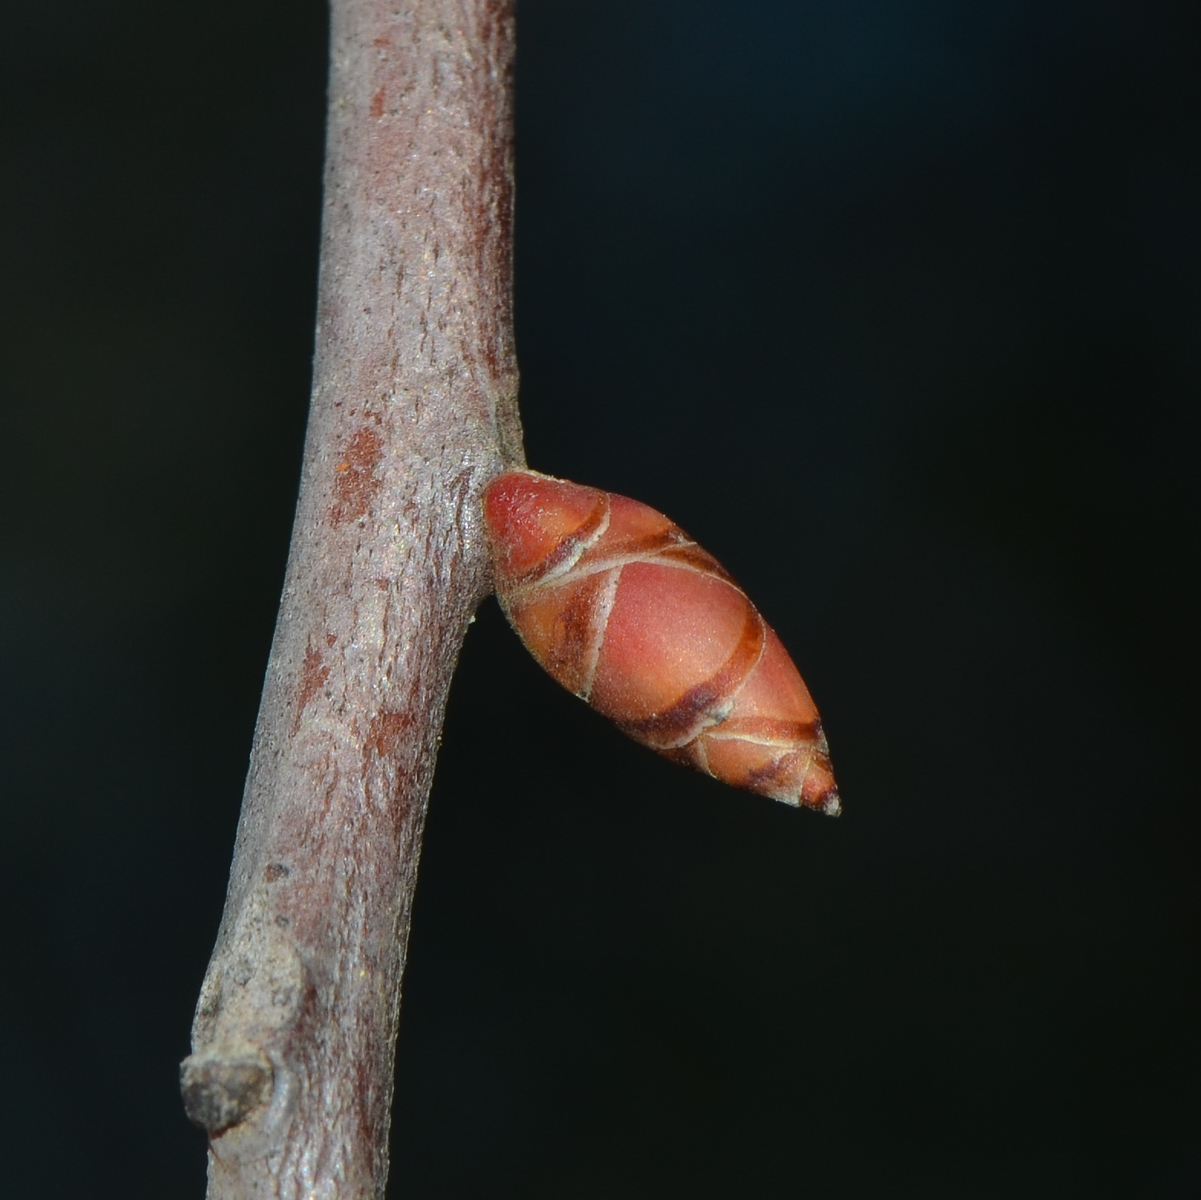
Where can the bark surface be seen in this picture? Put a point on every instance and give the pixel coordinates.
(413, 411)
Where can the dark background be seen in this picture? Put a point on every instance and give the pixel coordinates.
(895, 306)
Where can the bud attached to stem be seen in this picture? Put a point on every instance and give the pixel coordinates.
(625, 610)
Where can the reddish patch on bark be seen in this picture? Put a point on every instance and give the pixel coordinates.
(355, 485)
(313, 674)
(377, 104)
(381, 41)
(330, 640)
(387, 731)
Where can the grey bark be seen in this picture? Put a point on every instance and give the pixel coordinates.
(413, 410)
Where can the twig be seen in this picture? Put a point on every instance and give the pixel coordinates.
(413, 410)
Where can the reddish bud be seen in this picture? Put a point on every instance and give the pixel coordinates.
(626, 611)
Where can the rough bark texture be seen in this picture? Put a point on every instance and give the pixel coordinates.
(413, 410)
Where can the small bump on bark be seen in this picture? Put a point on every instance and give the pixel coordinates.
(223, 1088)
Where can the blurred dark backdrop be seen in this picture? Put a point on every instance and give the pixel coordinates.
(895, 306)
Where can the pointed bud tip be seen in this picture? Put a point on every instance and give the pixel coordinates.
(831, 804)
(828, 802)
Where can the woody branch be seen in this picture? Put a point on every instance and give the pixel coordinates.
(413, 411)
